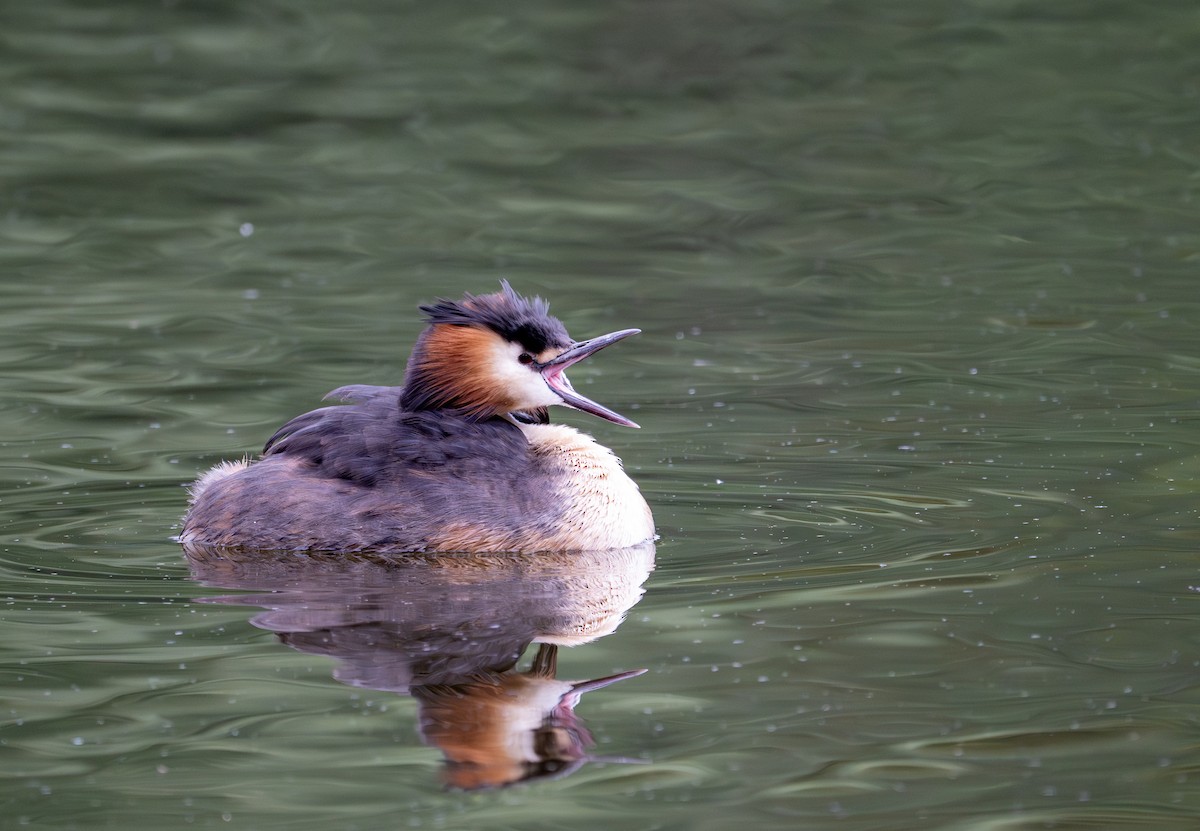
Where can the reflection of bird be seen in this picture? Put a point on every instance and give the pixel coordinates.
(449, 630)
(397, 621)
(510, 727)
(460, 458)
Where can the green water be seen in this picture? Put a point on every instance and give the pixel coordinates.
(919, 386)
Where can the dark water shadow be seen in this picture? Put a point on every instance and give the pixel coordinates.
(449, 629)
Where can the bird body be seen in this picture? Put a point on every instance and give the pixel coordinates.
(459, 458)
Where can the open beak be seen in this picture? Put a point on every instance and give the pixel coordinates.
(553, 369)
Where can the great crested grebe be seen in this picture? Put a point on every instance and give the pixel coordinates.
(462, 457)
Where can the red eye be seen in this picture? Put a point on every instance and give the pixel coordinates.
(525, 358)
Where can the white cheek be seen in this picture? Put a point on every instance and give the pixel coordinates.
(524, 385)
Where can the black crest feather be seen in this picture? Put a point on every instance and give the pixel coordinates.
(523, 320)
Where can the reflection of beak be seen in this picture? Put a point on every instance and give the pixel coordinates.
(545, 665)
(552, 370)
(581, 687)
(578, 688)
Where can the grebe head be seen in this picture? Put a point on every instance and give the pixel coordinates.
(499, 354)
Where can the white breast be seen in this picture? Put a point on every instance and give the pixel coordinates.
(603, 506)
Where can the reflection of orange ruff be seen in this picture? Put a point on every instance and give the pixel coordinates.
(510, 728)
(462, 457)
